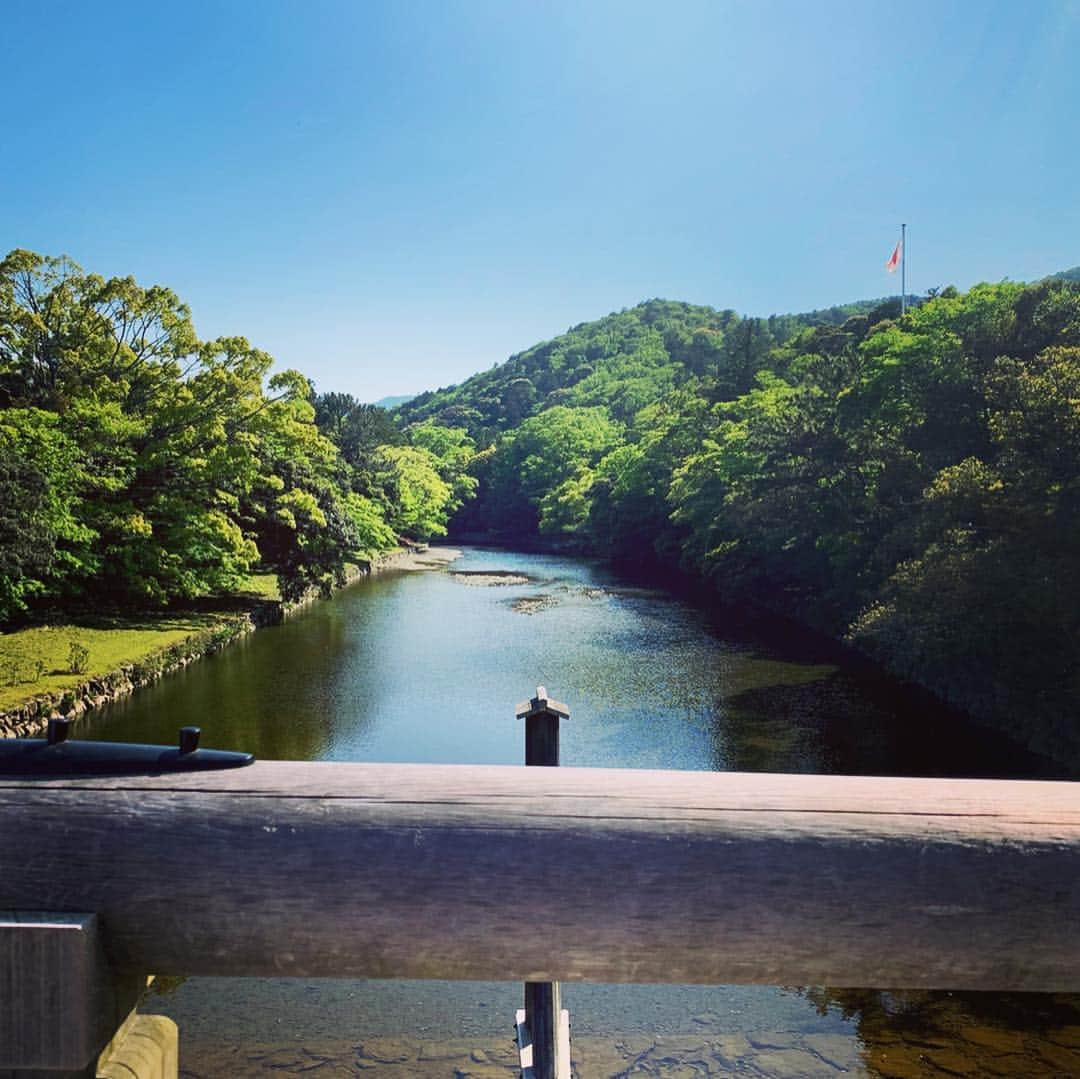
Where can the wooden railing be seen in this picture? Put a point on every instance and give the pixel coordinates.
(543, 874)
(418, 871)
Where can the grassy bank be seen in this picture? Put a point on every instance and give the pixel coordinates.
(59, 658)
(78, 664)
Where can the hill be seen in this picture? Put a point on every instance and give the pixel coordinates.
(624, 361)
(909, 485)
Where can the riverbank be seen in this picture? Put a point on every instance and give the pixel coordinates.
(416, 558)
(70, 669)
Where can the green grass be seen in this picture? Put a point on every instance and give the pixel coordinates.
(263, 585)
(38, 660)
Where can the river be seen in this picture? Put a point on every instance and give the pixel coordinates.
(428, 666)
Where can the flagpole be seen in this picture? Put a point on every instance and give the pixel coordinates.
(903, 270)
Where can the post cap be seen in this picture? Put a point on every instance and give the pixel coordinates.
(189, 739)
(541, 704)
(59, 729)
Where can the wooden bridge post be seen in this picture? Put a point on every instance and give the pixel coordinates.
(63, 1009)
(542, 718)
(543, 1026)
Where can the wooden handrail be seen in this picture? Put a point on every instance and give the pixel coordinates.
(417, 871)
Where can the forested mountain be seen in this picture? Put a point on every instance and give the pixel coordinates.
(911, 485)
(625, 361)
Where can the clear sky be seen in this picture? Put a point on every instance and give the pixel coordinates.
(393, 195)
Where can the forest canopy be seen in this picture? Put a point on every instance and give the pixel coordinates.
(141, 465)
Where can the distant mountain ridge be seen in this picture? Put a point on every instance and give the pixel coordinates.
(650, 349)
(393, 402)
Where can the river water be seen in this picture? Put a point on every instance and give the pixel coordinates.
(427, 667)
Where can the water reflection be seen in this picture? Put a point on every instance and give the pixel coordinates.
(913, 1034)
(800, 718)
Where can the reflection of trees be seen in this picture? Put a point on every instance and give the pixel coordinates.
(792, 717)
(908, 1034)
(282, 693)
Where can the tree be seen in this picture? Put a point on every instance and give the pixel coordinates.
(419, 499)
(453, 450)
(356, 429)
(154, 466)
(629, 515)
(65, 334)
(518, 398)
(41, 537)
(552, 450)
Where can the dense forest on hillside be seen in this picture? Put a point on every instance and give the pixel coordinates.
(907, 484)
(910, 485)
(140, 465)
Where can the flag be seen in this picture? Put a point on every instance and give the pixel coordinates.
(894, 258)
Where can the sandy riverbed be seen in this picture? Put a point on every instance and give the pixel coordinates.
(418, 559)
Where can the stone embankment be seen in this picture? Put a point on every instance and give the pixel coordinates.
(32, 717)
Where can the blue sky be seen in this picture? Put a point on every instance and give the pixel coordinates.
(390, 196)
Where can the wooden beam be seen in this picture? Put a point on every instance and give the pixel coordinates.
(60, 1002)
(426, 871)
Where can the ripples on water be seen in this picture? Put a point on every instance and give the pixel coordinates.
(427, 667)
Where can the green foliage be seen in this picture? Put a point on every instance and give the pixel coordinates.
(453, 451)
(357, 430)
(918, 491)
(43, 537)
(541, 475)
(140, 465)
(372, 531)
(78, 658)
(420, 498)
(621, 363)
(629, 518)
(617, 368)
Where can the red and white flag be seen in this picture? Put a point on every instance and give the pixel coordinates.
(894, 258)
